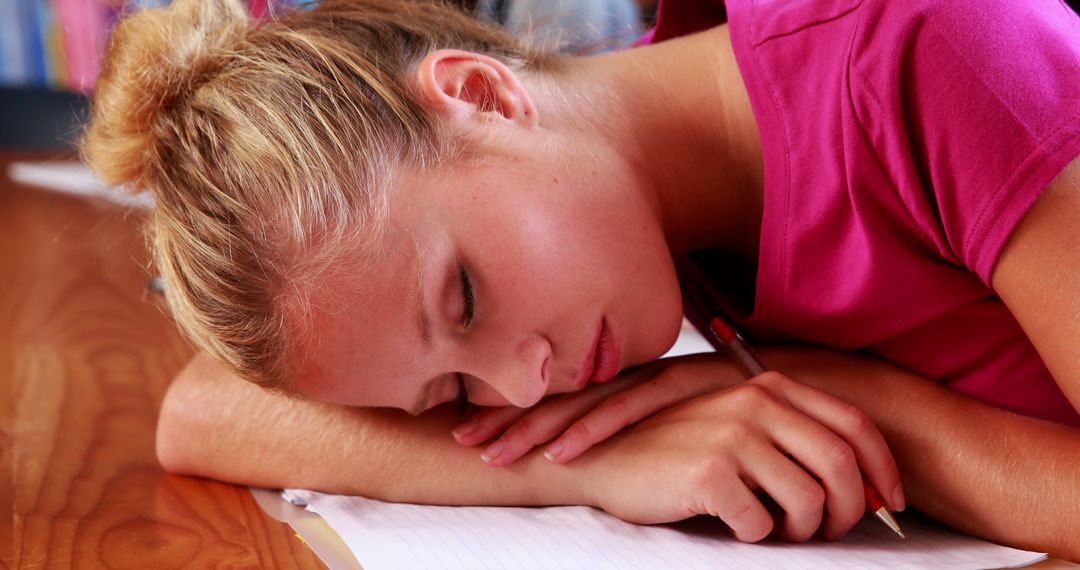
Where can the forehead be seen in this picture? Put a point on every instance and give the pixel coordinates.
(361, 325)
(365, 340)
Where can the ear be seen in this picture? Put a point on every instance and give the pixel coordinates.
(469, 87)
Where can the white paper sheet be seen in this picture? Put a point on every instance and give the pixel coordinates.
(394, 536)
(74, 178)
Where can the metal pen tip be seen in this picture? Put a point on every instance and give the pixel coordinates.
(887, 518)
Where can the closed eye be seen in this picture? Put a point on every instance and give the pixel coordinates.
(467, 296)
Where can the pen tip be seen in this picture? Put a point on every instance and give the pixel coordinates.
(886, 517)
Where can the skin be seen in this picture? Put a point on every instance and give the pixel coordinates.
(954, 456)
(550, 222)
(570, 208)
(565, 238)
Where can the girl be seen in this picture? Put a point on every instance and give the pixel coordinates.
(387, 205)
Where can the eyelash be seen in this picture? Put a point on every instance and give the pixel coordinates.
(462, 396)
(466, 320)
(467, 295)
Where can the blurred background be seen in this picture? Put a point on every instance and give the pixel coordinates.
(51, 50)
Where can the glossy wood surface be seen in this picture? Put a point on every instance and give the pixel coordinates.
(86, 353)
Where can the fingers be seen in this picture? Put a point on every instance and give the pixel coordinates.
(610, 416)
(758, 463)
(607, 419)
(727, 497)
(533, 427)
(804, 466)
(524, 429)
(486, 423)
(600, 411)
(623, 409)
(832, 461)
(838, 444)
(800, 496)
(872, 454)
(829, 476)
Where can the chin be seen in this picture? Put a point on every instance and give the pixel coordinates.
(662, 334)
(672, 328)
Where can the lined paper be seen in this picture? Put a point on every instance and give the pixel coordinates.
(392, 536)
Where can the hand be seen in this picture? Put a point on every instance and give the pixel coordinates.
(594, 414)
(806, 449)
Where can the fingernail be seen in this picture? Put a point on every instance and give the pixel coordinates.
(491, 453)
(555, 450)
(465, 429)
(898, 498)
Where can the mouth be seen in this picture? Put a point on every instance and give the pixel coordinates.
(602, 361)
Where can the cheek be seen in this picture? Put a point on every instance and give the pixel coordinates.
(653, 300)
(617, 259)
(532, 241)
(662, 327)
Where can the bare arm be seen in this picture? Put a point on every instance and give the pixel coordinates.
(1000, 475)
(217, 426)
(981, 469)
(1038, 277)
(992, 473)
(995, 474)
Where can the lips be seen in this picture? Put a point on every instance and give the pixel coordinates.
(602, 361)
(606, 364)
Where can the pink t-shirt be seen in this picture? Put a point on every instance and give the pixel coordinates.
(903, 142)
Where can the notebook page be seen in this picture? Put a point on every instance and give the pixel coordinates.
(393, 536)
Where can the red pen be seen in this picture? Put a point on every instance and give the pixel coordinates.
(739, 348)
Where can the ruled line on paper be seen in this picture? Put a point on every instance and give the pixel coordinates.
(394, 535)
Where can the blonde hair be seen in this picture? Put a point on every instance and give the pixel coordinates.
(268, 149)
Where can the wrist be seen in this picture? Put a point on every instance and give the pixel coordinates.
(549, 484)
(590, 480)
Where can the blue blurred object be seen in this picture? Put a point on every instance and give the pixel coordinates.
(58, 44)
(574, 26)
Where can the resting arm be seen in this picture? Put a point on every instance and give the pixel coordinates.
(989, 472)
(215, 425)
(984, 470)
(981, 469)
(996, 474)
(1038, 277)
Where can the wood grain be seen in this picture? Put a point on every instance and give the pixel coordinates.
(86, 353)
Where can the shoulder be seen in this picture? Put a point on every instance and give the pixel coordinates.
(981, 17)
(1038, 277)
(983, 34)
(974, 104)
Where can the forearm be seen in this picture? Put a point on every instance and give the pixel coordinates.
(984, 470)
(980, 469)
(216, 426)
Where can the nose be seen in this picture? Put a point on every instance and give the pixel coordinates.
(519, 371)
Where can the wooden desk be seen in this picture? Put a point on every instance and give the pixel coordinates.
(86, 352)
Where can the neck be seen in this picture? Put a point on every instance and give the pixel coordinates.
(679, 115)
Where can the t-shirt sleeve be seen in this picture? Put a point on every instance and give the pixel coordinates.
(990, 98)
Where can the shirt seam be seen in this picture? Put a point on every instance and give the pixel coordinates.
(756, 41)
(980, 233)
(780, 292)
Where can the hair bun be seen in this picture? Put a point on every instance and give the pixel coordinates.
(156, 58)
